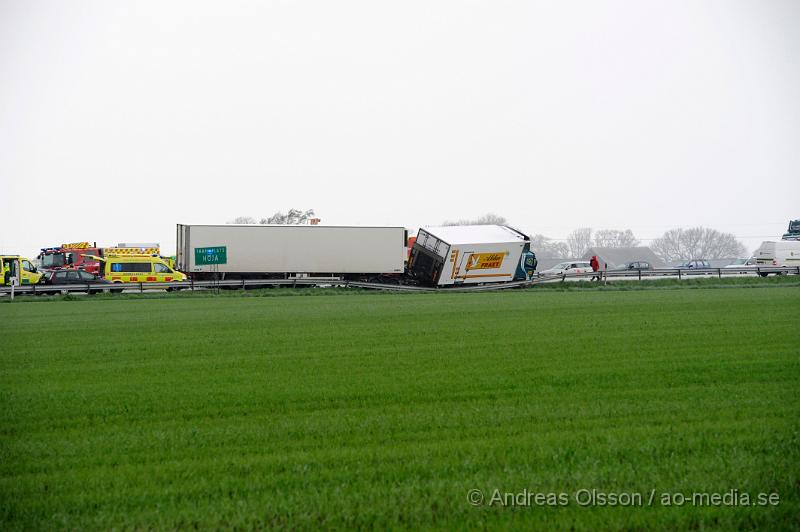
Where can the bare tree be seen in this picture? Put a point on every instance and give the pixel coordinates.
(613, 238)
(697, 243)
(243, 220)
(292, 217)
(486, 219)
(579, 241)
(547, 248)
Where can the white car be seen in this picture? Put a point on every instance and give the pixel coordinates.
(568, 267)
(742, 264)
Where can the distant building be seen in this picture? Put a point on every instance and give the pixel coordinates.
(616, 257)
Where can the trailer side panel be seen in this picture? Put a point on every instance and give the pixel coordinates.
(312, 249)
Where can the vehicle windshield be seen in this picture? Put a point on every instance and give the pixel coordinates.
(52, 260)
(561, 266)
(740, 262)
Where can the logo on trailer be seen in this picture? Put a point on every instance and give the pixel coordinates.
(485, 261)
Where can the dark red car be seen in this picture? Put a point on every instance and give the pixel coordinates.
(93, 283)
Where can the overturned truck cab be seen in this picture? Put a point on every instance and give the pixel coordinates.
(471, 254)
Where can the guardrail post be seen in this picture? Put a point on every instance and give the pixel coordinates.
(640, 273)
(141, 288)
(679, 274)
(719, 272)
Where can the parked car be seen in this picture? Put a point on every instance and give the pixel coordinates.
(635, 265)
(571, 266)
(694, 265)
(66, 277)
(742, 264)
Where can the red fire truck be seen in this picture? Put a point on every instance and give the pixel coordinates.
(68, 256)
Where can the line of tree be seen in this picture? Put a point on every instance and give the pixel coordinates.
(697, 243)
(580, 240)
(291, 217)
(547, 248)
(673, 245)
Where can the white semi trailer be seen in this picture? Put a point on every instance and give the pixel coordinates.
(471, 254)
(257, 251)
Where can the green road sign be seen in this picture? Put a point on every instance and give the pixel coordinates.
(215, 255)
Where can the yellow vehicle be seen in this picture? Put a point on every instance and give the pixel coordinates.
(11, 266)
(137, 269)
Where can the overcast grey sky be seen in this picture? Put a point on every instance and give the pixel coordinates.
(120, 119)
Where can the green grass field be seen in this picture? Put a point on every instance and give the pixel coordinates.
(384, 410)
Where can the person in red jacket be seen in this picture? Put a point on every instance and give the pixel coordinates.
(595, 263)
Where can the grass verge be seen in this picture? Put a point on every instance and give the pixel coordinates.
(379, 410)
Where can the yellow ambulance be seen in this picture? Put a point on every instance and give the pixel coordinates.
(137, 269)
(11, 266)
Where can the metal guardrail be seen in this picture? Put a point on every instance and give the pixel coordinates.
(241, 284)
(174, 285)
(336, 281)
(679, 273)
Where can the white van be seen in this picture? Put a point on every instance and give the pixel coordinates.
(779, 253)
